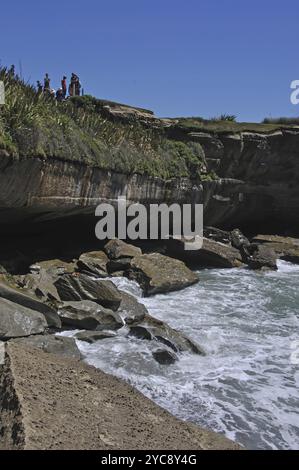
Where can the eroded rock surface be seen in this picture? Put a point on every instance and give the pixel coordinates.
(52, 402)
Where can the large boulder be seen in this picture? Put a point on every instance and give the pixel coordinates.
(157, 273)
(212, 254)
(27, 299)
(17, 321)
(165, 356)
(54, 267)
(150, 328)
(82, 287)
(93, 263)
(41, 283)
(89, 315)
(52, 344)
(117, 249)
(120, 255)
(130, 307)
(261, 257)
(286, 248)
(94, 336)
(49, 402)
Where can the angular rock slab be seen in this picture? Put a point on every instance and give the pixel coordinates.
(158, 274)
(28, 300)
(60, 345)
(17, 321)
(89, 315)
(52, 402)
(94, 336)
(116, 249)
(150, 328)
(82, 287)
(93, 263)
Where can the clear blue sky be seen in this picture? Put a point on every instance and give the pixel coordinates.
(179, 58)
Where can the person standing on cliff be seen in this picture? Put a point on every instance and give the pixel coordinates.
(64, 86)
(39, 87)
(47, 81)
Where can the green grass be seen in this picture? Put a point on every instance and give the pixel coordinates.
(32, 125)
(282, 120)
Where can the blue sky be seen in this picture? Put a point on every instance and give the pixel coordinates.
(178, 58)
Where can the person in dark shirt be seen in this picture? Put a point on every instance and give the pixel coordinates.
(47, 81)
(64, 86)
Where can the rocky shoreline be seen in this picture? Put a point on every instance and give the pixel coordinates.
(56, 295)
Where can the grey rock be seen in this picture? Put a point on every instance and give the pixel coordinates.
(89, 315)
(116, 249)
(28, 300)
(261, 257)
(93, 263)
(82, 287)
(144, 326)
(17, 321)
(157, 273)
(94, 336)
(52, 344)
(165, 357)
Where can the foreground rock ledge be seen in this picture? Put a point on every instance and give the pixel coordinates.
(49, 402)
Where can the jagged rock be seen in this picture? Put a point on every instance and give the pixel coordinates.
(286, 248)
(144, 326)
(41, 284)
(121, 264)
(261, 257)
(217, 235)
(212, 254)
(28, 300)
(117, 249)
(131, 308)
(89, 315)
(238, 240)
(51, 402)
(82, 287)
(17, 321)
(54, 267)
(93, 263)
(165, 357)
(157, 273)
(52, 344)
(93, 336)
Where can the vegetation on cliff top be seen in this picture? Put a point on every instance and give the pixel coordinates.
(81, 130)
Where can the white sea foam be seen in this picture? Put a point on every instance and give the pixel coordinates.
(246, 386)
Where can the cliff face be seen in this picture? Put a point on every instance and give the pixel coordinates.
(246, 175)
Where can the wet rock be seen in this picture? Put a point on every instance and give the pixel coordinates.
(52, 344)
(93, 263)
(89, 316)
(117, 249)
(94, 336)
(165, 357)
(131, 308)
(145, 326)
(17, 321)
(157, 273)
(141, 332)
(261, 257)
(286, 248)
(28, 300)
(82, 287)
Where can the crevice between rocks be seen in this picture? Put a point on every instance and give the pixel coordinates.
(12, 433)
